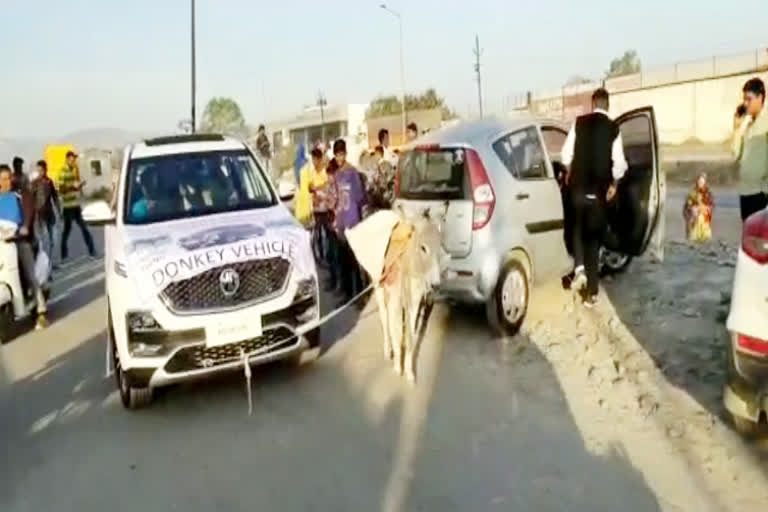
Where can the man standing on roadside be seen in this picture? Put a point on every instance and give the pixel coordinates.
(411, 132)
(70, 190)
(20, 180)
(46, 205)
(750, 147)
(389, 155)
(264, 149)
(594, 155)
(350, 198)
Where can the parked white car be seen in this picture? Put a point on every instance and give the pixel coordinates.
(746, 392)
(205, 267)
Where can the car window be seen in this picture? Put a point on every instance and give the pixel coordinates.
(554, 140)
(522, 154)
(432, 173)
(191, 184)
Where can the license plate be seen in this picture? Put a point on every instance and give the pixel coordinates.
(232, 330)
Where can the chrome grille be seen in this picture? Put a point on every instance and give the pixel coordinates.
(259, 280)
(198, 357)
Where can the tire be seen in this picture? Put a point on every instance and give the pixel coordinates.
(506, 312)
(745, 426)
(6, 323)
(313, 337)
(131, 397)
(612, 262)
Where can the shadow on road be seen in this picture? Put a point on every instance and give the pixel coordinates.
(486, 428)
(675, 311)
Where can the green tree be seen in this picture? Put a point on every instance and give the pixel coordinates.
(391, 105)
(627, 64)
(223, 115)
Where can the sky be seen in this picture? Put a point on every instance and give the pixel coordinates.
(82, 64)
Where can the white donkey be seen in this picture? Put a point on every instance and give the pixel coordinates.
(403, 256)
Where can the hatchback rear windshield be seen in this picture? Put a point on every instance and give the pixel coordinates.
(185, 185)
(433, 174)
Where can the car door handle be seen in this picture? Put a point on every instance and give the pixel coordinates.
(521, 196)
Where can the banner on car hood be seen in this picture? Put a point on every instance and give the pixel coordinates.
(160, 254)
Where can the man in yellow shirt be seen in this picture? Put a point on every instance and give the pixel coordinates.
(312, 175)
(750, 146)
(70, 190)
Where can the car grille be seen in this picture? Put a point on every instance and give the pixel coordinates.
(259, 279)
(198, 357)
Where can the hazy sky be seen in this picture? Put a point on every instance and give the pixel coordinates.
(77, 64)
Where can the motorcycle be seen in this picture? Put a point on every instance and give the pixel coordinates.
(16, 303)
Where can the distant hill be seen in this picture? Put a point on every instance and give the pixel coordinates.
(32, 148)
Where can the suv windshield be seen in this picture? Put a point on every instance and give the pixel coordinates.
(432, 174)
(185, 185)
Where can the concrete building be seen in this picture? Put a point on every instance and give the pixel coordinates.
(95, 167)
(694, 101)
(312, 125)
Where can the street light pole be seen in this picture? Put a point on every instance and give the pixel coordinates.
(194, 120)
(322, 103)
(402, 67)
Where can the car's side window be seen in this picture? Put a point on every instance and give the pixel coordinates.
(522, 154)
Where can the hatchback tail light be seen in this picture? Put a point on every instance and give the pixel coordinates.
(752, 346)
(754, 240)
(483, 197)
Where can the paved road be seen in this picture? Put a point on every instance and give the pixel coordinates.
(488, 427)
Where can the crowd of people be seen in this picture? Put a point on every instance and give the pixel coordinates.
(38, 206)
(333, 195)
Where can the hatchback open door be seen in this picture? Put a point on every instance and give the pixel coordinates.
(634, 214)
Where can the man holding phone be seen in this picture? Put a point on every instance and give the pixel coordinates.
(750, 146)
(70, 190)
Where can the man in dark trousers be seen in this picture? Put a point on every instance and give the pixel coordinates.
(594, 155)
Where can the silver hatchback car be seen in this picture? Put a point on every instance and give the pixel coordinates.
(496, 186)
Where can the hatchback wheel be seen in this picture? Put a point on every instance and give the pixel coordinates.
(612, 262)
(508, 305)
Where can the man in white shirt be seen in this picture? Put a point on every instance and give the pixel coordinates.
(389, 155)
(594, 155)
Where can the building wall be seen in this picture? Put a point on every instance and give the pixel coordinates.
(701, 109)
(692, 100)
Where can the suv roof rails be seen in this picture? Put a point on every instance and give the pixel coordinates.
(181, 139)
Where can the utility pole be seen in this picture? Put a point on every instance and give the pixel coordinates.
(477, 53)
(402, 67)
(322, 102)
(194, 120)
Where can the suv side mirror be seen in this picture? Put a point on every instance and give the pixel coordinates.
(98, 213)
(286, 190)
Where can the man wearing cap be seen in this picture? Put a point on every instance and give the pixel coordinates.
(70, 189)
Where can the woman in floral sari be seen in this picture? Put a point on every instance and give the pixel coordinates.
(697, 211)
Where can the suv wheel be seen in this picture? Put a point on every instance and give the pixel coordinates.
(508, 305)
(131, 397)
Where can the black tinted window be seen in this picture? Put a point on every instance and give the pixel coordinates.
(522, 154)
(432, 174)
(192, 184)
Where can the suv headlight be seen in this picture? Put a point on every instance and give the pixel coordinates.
(145, 335)
(306, 290)
(140, 322)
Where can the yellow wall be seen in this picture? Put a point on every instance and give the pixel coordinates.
(56, 157)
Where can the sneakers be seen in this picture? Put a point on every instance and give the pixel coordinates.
(42, 322)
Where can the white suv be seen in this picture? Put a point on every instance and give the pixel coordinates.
(205, 267)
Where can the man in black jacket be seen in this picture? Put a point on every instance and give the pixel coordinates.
(594, 155)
